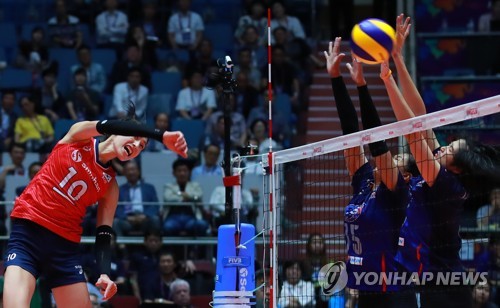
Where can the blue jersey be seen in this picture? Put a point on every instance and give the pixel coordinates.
(429, 239)
(371, 225)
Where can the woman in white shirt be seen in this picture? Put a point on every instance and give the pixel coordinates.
(296, 292)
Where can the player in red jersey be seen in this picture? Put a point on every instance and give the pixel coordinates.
(46, 219)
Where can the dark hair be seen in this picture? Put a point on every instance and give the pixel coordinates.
(153, 232)
(290, 263)
(134, 69)
(82, 47)
(205, 148)
(252, 126)
(37, 29)
(479, 167)
(33, 164)
(182, 162)
(309, 253)
(260, 274)
(164, 252)
(7, 92)
(17, 145)
(80, 71)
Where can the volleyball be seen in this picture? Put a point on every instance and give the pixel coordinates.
(372, 41)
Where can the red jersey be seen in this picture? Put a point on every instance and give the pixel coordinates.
(70, 180)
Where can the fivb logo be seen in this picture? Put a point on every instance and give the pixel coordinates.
(332, 277)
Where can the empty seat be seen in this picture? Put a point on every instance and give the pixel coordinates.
(105, 57)
(221, 36)
(192, 129)
(61, 127)
(12, 78)
(9, 36)
(166, 82)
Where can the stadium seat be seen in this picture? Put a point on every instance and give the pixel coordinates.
(9, 36)
(12, 78)
(180, 55)
(105, 57)
(124, 301)
(3, 56)
(283, 105)
(166, 83)
(221, 36)
(88, 39)
(61, 127)
(201, 300)
(192, 129)
(158, 103)
(66, 58)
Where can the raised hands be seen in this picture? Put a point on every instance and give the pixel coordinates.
(175, 142)
(385, 71)
(402, 30)
(356, 70)
(333, 58)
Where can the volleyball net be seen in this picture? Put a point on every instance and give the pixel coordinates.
(309, 190)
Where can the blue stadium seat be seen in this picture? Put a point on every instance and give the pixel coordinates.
(3, 56)
(66, 58)
(9, 35)
(105, 57)
(107, 102)
(158, 103)
(221, 36)
(88, 39)
(192, 129)
(283, 105)
(15, 78)
(179, 54)
(28, 27)
(166, 83)
(61, 127)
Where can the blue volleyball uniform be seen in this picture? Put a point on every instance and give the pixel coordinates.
(371, 225)
(429, 239)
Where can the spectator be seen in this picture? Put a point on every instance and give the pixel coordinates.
(481, 295)
(295, 292)
(151, 23)
(247, 97)
(196, 101)
(86, 11)
(281, 127)
(211, 155)
(133, 58)
(33, 169)
(314, 260)
(238, 125)
(183, 219)
(51, 98)
(144, 263)
(285, 78)
(256, 18)
(8, 117)
(130, 91)
(488, 216)
(96, 76)
(291, 23)
(63, 28)
(262, 294)
(111, 27)
(185, 28)
(251, 41)
(131, 213)
(159, 288)
(137, 36)
(251, 72)
(258, 131)
(83, 102)
(162, 122)
(203, 62)
(33, 129)
(218, 200)
(33, 55)
(181, 293)
(490, 21)
(17, 153)
(216, 136)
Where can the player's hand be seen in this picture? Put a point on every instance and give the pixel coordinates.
(356, 70)
(334, 57)
(107, 287)
(385, 71)
(402, 30)
(175, 141)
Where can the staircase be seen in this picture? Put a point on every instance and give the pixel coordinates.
(322, 212)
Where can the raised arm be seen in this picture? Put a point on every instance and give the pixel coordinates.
(87, 129)
(427, 165)
(355, 157)
(370, 119)
(408, 88)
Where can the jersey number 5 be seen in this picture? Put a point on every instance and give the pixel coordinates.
(350, 234)
(75, 189)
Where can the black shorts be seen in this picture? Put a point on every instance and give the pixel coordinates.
(42, 252)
